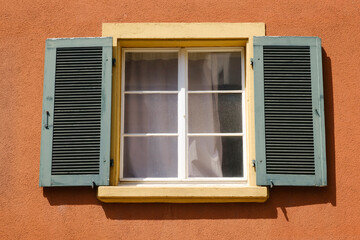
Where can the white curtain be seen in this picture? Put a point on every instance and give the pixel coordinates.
(206, 72)
(150, 113)
(157, 113)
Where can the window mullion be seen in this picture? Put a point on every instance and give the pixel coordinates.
(182, 115)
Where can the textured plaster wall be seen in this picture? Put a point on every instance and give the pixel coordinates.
(30, 212)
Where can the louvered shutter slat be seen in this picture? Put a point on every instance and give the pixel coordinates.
(289, 116)
(75, 147)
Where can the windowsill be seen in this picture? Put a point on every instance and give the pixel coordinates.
(182, 194)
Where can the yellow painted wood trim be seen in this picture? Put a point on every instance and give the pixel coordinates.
(183, 34)
(115, 118)
(250, 112)
(182, 30)
(182, 194)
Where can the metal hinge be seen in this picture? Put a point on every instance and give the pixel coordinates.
(93, 185)
(111, 162)
(252, 62)
(253, 163)
(114, 62)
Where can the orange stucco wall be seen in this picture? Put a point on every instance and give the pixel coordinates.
(30, 212)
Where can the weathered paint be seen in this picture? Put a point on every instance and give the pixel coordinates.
(318, 124)
(30, 212)
(46, 158)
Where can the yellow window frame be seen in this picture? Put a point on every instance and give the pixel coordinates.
(182, 35)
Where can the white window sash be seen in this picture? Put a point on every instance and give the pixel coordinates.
(183, 135)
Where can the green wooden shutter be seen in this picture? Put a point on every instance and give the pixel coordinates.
(289, 111)
(76, 114)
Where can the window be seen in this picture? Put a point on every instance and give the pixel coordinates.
(222, 131)
(183, 115)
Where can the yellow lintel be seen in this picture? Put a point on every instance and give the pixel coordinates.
(182, 30)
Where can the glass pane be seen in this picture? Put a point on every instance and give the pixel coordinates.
(150, 157)
(150, 113)
(214, 71)
(214, 156)
(215, 113)
(151, 71)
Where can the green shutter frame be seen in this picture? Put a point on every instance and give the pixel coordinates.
(290, 167)
(84, 74)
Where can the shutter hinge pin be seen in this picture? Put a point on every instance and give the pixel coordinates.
(253, 163)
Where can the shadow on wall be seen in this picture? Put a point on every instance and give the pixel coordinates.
(280, 197)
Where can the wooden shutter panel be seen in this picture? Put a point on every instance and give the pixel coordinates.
(76, 115)
(289, 112)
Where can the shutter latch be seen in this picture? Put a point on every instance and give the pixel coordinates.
(47, 120)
